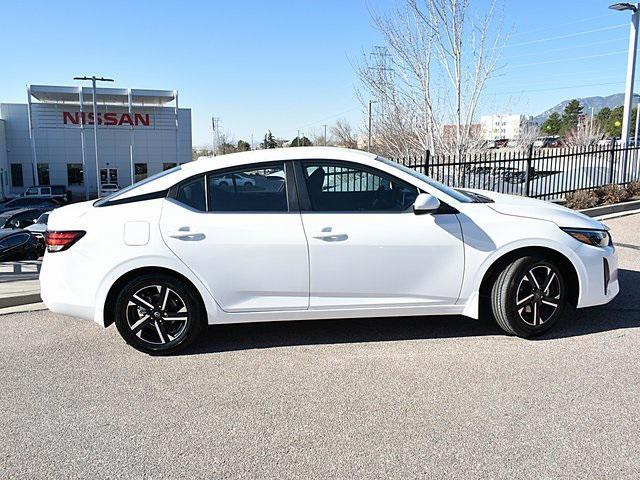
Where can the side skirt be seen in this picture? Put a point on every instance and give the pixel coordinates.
(326, 314)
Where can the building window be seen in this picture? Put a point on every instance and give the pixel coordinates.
(43, 174)
(74, 174)
(167, 166)
(141, 171)
(16, 175)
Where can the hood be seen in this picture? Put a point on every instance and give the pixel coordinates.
(517, 206)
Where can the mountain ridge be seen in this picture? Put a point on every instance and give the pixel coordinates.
(597, 103)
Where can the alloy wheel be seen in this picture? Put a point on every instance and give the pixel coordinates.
(157, 315)
(538, 295)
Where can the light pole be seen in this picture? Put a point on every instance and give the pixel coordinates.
(631, 68)
(95, 79)
(371, 102)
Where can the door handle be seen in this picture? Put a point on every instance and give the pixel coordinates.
(186, 233)
(330, 236)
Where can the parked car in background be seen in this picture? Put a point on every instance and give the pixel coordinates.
(18, 245)
(40, 226)
(108, 189)
(351, 235)
(46, 203)
(19, 218)
(606, 142)
(236, 179)
(547, 142)
(50, 191)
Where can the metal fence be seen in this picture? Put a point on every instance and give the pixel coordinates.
(539, 173)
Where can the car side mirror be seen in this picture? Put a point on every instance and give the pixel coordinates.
(425, 203)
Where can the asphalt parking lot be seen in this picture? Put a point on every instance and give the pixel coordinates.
(374, 398)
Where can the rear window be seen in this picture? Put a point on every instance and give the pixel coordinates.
(191, 193)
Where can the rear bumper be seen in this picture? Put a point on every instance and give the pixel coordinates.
(599, 284)
(62, 296)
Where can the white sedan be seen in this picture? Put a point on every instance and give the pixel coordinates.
(350, 235)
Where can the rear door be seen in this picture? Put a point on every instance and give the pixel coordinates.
(243, 238)
(366, 246)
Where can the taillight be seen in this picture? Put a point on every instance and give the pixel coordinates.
(59, 241)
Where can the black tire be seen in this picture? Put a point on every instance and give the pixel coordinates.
(158, 334)
(514, 311)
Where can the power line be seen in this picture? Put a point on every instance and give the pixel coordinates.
(565, 60)
(547, 51)
(569, 35)
(573, 22)
(556, 88)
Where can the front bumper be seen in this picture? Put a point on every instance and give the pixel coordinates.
(599, 282)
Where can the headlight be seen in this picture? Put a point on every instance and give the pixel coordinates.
(597, 238)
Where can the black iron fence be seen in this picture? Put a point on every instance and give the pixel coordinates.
(540, 173)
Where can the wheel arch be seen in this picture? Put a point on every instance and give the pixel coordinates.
(109, 303)
(570, 273)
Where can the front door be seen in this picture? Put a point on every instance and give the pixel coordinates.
(366, 246)
(240, 232)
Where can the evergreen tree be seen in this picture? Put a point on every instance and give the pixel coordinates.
(571, 116)
(269, 141)
(552, 125)
(243, 146)
(613, 125)
(602, 117)
(301, 142)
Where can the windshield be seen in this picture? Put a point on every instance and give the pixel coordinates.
(104, 200)
(455, 194)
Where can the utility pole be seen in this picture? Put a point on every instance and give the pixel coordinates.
(215, 125)
(95, 79)
(371, 102)
(298, 138)
(325, 134)
(631, 66)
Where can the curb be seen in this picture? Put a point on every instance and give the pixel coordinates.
(610, 209)
(18, 300)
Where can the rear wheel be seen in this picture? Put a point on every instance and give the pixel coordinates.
(158, 314)
(528, 296)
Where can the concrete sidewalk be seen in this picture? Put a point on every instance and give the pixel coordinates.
(19, 284)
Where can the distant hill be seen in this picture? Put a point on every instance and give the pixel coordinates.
(598, 103)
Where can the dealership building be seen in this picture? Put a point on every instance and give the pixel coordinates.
(49, 140)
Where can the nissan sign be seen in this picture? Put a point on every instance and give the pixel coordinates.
(133, 119)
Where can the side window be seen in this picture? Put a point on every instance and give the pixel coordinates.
(191, 193)
(346, 187)
(249, 190)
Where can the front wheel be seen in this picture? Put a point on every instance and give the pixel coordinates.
(158, 314)
(528, 296)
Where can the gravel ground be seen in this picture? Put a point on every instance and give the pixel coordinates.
(383, 398)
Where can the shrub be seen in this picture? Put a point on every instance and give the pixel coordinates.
(612, 194)
(581, 199)
(634, 189)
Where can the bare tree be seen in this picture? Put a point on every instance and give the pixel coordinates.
(343, 135)
(528, 134)
(432, 71)
(585, 134)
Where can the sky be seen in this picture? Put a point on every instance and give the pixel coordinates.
(286, 66)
